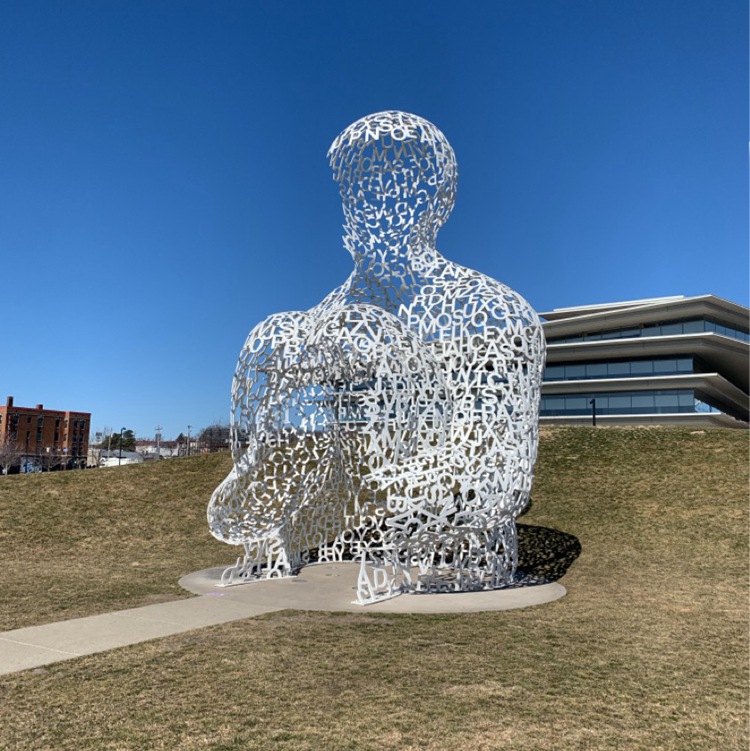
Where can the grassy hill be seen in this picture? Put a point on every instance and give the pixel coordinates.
(86, 542)
(647, 651)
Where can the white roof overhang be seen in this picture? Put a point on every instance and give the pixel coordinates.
(702, 419)
(574, 321)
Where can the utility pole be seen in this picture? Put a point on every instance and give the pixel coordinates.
(593, 412)
(119, 460)
(157, 429)
(188, 450)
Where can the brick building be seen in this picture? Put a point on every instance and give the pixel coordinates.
(46, 438)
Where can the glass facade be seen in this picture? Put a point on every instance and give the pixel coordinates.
(657, 366)
(695, 326)
(657, 401)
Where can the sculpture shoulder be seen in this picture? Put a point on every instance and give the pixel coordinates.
(338, 298)
(471, 298)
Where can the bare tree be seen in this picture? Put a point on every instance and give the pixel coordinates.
(214, 438)
(10, 455)
(52, 460)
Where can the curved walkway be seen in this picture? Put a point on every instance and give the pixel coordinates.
(326, 587)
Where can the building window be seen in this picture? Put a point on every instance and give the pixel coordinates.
(701, 407)
(661, 401)
(629, 369)
(669, 328)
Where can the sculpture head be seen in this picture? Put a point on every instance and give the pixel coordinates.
(395, 172)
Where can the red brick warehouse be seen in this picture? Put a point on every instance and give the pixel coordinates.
(50, 438)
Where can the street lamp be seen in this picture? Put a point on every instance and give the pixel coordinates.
(119, 460)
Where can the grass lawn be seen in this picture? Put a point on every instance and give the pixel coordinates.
(649, 649)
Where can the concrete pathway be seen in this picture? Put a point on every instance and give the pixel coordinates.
(327, 587)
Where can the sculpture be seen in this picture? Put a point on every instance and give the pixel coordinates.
(395, 423)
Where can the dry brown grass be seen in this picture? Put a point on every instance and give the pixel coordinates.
(86, 542)
(647, 651)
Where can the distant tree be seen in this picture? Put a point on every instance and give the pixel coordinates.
(128, 441)
(113, 442)
(10, 455)
(214, 438)
(52, 460)
(95, 450)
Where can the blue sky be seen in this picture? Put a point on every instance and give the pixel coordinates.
(164, 184)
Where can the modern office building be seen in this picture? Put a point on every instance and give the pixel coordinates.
(665, 360)
(45, 438)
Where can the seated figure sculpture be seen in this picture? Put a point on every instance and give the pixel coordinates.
(396, 422)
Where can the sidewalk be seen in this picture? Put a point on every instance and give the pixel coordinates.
(326, 587)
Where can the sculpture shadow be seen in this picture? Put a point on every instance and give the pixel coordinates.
(545, 554)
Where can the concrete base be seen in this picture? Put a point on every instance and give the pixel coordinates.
(332, 587)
